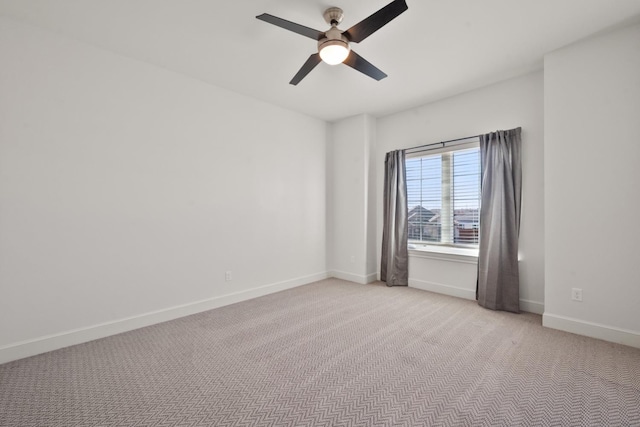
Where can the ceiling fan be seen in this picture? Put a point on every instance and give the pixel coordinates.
(333, 44)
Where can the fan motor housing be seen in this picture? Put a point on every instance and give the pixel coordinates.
(332, 37)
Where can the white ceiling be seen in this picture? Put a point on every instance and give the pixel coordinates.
(434, 50)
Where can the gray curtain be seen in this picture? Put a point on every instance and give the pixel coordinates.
(394, 266)
(498, 285)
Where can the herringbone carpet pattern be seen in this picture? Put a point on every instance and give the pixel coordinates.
(331, 353)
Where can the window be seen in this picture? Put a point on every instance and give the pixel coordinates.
(443, 195)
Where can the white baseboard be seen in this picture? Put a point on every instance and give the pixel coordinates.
(591, 329)
(531, 306)
(525, 305)
(439, 288)
(356, 278)
(52, 342)
(371, 277)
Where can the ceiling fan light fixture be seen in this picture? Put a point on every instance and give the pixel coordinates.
(334, 52)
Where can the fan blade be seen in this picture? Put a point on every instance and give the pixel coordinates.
(306, 68)
(370, 25)
(357, 62)
(291, 26)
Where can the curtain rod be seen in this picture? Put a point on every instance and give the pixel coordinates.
(441, 144)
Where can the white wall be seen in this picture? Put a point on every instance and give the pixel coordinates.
(351, 185)
(513, 103)
(592, 200)
(126, 190)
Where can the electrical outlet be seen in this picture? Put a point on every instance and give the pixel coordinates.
(576, 294)
(227, 276)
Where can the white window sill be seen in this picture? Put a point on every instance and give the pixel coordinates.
(445, 253)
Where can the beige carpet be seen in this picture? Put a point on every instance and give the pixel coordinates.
(331, 354)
